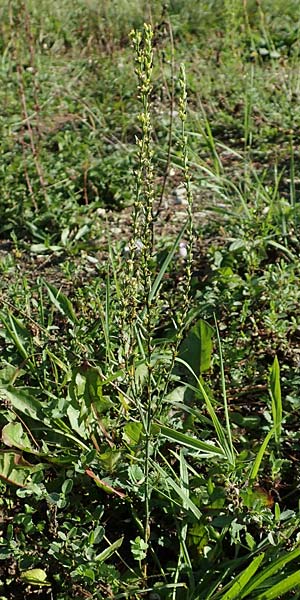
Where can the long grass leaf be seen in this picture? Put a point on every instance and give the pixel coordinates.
(259, 456)
(187, 503)
(272, 569)
(284, 586)
(239, 582)
(165, 264)
(209, 449)
(61, 302)
(275, 391)
(225, 403)
(219, 429)
(18, 334)
(109, 551)
(184, 475)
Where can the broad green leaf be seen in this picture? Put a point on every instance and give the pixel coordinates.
(234, 593)
(132, 433)
(196, 348)
(35, 577)
(76, 423)
(85, 389)
(255, 498)
(9, 373)
(61, 302)
(198, 536)
(23, 399)
(275, 391)
(141, 374)
(14, 469)
(177, 395)
(110, 459)
(14, 436)
(281, 588)
(139, 548)
(181, 438)
(86, 399)
(81, 232)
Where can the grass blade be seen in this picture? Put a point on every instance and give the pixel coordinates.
(275, 392)
(209, 449)
(183, 494)
(219, 429)
(272, 569)
(61, 302)
(259, 456)
(284, 586)
(165, 264)
(239, 583)
(109, 551)
(225, 403)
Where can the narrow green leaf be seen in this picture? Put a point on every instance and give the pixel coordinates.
(220, 431)
(158, 279)
(109, 551)
(275, 391)
(187, 503)
(282, 248)
(56, 360)
(272, 569)
(184, 474)
(259, 456)
(18, 333)
(228, 428)
(284, 586)
(209, 449)
(61, 302)
(239, 582)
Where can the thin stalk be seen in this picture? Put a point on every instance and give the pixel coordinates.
(171, 118)
(141, 250)
(185, 300)
(224, 394)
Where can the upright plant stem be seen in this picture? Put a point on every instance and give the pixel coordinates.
(141, 249)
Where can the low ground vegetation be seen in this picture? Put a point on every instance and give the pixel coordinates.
(149, 258)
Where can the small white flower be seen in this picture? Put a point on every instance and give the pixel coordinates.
(101, 212)
(139, 245)
(183, 250)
